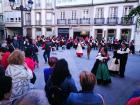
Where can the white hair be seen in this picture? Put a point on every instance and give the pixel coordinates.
(34, 97)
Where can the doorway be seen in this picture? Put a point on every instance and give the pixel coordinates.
(126, 34)
(99, 34)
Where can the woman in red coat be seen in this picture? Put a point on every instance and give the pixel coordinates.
(5, 56)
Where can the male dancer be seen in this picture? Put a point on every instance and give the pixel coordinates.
(124, 50)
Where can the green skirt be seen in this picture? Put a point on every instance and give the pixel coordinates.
(102, 74)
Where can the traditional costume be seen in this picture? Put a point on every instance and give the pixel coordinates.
(123, 59)
(79, 50)
(89, 47)
(114, 66)
(100, 69)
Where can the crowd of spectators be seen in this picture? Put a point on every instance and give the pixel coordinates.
(18, 60)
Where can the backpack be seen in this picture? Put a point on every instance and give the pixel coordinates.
(57, 96)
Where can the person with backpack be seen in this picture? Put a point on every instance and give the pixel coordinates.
(86, 96)
(60, 84)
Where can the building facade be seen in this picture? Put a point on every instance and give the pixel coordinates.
(1, 21)
(12, 19)
(41, 19)
(137, 34)
(100, 19)
(72, 18)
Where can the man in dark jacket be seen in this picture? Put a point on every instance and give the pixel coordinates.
(47, 51)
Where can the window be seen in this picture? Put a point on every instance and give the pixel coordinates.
(85, 13)
(38, 16)
(49, 3)
(73, 14)
(48, 29)
(28, 16)
(17, 1)
(63, 15)
(127, 9)
(37, 3)
(113, 12)
(48, 16)
(100, 13)
(38, 32)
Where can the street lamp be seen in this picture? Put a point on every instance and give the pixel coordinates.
(21, 8)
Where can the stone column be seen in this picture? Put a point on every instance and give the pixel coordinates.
(56, 31)
(24, 31)
(71, 32)
(118, 33)
(92, 32)
(33, 17)
(33, 33)
(43, 17)
(105, 34)
(132, 33)
(43, 29)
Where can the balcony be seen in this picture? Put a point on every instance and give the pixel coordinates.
(112, 20)
(38, 22)
(73, 21)
(28, 22)
(61, 21)
(125, 22)
(49, 22)
(99, 21)
(85, 21)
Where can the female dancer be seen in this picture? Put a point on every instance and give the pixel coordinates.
(100, 68)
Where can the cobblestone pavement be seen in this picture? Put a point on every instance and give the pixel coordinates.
(116, 93)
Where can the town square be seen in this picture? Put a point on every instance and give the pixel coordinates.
(69, 52)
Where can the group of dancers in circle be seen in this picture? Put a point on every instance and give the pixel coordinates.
(102, 69)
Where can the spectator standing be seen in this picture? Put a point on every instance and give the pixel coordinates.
(86, 96)
(5, 90)
(132, 47)
(48, 71)
(62, 81)
(5, 55)
(20, 74)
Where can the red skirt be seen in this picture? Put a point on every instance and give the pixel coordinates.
(79, 54)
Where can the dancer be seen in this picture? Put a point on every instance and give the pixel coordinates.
(47, 51)
(89, 47)
(101, 68)
(114, 66)
(79, 50)
(124, 50)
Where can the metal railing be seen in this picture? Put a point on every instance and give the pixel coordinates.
(73, 21)
(112, 20)
(99, 21)
(61, 21)
(85, 21)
